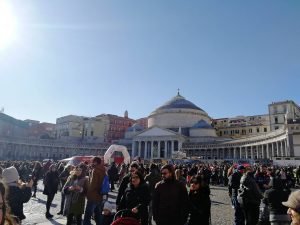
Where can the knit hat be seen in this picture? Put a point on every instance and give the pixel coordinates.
(294, 201)
(10, 175)
(108, 206)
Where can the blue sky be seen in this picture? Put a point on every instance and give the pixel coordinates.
(90, 57)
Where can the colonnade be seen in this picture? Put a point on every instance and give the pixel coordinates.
(155, 149)
(249, 151)
(18, 151)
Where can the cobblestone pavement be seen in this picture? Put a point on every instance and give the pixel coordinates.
(222, 213)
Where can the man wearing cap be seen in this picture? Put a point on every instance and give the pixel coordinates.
(293, 203)
(233, 186)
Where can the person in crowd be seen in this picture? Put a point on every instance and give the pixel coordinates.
(179, 177)
(18, 192)
(136, 197)
(152, 179)
(134, 167)
(5, 217)
(75, 189)
(233, 187)
(94, 197)
(273, 198)
(51, 182)
(170, 199)
(293, 204)
(108, 215)
(251, 195)
(112, 175)
(63, 176)
(37, 174)
(122, 172)
(199, 202)
(262, 178)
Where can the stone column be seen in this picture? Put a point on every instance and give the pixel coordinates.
(172, 147)
(165, 149)
(133, 149)
(241, 153)
(152, 149)
(252, 152)
(268, 151)
(140, 149)
(146, 150)
(234, 153)
(286, 148)
(263, 151)
(246, 152)
(281, 148)
(158, 150)
(277, 149)
(272, 150)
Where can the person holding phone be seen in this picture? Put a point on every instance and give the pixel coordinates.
(75, 190)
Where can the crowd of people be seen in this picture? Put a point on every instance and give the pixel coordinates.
(167, 194)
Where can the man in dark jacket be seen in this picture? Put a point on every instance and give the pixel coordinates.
(134, 166)
(113, 175)
(170, 199)
(94, 198)
(233, 186)
(152, 179)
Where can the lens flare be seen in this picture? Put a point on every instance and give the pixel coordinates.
(8, 24)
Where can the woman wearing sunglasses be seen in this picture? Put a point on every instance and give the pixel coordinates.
(199, 202)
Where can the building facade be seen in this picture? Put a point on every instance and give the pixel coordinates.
(179, 126)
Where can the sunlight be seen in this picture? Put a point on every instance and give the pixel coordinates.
(8, 24)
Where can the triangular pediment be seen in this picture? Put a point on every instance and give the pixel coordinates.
(156, 131)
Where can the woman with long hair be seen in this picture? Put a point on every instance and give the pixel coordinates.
(5, 218)
(75, 190)
(199, 202)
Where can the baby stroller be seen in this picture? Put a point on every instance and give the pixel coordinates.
(121, 218)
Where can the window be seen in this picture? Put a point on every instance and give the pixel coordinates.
(220, 133)
(276, 119)
(257, 129)
(92, 133)
(276, 128)
(237, 131)
(250, 130)
(243, 132)
(265, 129)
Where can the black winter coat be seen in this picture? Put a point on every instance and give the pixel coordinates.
(170, 203)
(124, 184)
(199, 206)
(16, 198)
(137, 197)
(51, 182)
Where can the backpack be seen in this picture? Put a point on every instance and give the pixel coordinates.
(105, 188)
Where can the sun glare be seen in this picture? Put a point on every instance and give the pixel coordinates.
(7, 24)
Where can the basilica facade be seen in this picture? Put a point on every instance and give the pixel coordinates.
(180, 128)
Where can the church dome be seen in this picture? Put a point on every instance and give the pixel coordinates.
(178, 102)
(135, 127)
(177, 112)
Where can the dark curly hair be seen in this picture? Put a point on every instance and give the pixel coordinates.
(6, 219)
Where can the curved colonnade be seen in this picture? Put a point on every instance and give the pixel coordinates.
(30, 149)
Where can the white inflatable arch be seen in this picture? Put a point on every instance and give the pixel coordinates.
(116, 148)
